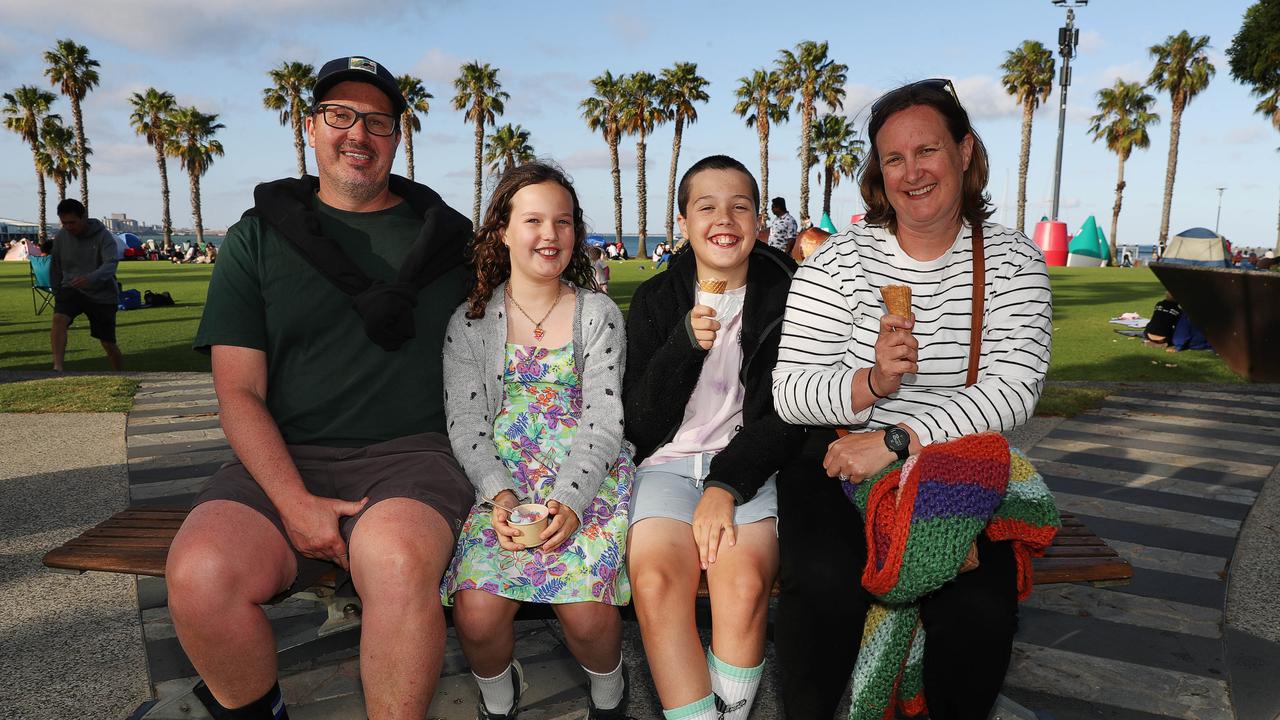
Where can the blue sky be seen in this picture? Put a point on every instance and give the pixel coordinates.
(215, 55)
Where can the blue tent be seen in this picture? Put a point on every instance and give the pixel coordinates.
(596, 240)
(131, 240)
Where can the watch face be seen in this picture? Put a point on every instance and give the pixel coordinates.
(897, 439)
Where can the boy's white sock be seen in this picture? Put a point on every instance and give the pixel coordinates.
(735, 686)
(704, 709)
(498, 693)
(607, 688)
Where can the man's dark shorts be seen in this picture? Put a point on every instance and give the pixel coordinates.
(102, 316)
(420, 467)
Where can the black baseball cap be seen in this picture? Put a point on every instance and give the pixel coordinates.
(357, 68)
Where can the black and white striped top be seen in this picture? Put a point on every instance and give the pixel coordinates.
(833, 318)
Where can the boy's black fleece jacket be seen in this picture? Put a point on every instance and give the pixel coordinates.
(664, 362)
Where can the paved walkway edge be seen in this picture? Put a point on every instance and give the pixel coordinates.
(1251, 638)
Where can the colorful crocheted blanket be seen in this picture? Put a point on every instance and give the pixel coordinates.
(919, 530)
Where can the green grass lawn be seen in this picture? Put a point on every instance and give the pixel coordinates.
(1085, 346)
(74, 394)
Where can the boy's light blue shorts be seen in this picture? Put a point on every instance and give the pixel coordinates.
(673, 489)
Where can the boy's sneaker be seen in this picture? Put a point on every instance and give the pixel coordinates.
(518, 686)
(618, 712)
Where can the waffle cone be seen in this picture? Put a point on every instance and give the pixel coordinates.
(897, 299)
(715, 287)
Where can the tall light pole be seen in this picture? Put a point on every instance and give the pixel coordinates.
(1215, 222)
(1068, 39)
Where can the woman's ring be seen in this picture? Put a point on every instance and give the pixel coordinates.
(844, 477)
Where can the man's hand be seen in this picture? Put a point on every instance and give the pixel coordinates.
(897, 353)
(704, 326)
(713, 523)
(857, 456)
(79, 282)
(564, 523)
(312, 525)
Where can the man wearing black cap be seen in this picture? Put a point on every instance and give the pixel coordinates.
(325, 320)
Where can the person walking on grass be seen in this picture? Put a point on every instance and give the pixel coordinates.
(83, 273)
(325, 320)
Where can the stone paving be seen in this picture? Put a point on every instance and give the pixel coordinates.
(1169, 476)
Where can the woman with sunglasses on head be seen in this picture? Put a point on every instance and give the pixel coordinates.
(898, 382)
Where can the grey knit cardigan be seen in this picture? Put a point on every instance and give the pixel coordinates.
(474, 363)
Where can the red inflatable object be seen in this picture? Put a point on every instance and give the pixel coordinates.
(1051, 238)
(856, 217)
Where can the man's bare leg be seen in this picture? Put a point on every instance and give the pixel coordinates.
(399, 549)
(58, 338)
(113, 355)
(225, 561)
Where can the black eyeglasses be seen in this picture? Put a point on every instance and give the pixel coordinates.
(931, 83)
(341, 117)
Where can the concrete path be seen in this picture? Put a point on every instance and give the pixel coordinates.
(1182, 481)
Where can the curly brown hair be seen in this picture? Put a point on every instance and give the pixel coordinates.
(490, 256)
(975, 203)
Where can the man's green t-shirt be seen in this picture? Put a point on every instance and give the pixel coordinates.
(327, 382)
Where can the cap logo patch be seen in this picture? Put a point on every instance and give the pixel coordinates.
(359, 63)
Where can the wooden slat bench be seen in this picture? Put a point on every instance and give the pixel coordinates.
(136, 541)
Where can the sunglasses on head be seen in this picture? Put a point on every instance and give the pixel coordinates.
(932, 84)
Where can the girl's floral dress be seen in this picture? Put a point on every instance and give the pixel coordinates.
(533, 433)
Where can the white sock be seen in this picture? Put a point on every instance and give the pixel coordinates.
(734, 685)
(496, 692)
(607, 688)
(704, 709)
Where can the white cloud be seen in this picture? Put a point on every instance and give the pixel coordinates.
(438, 69)
(984, 98)
(120, 159)
(1133, 71)
(1248, 134)
(532, 95)
(1091, 41)
(630, 29)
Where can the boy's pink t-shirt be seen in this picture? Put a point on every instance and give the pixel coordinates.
(713, 414)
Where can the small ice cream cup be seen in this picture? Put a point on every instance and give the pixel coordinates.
(530, 520)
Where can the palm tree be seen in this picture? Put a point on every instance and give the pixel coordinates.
(507, 147)
(1028, 76)
(193, 144)
(762, 103)
(71, 70)
(57, 156)
(24, 111)
(290, 95)
(415, 97)
(603, 112)
(680, 87)
(1183, 70)
(1124, 112)
(836, 142)
(641, 113)
(150, 119)
(480, 95)
(810, 73)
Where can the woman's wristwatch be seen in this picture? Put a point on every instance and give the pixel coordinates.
(898, 441)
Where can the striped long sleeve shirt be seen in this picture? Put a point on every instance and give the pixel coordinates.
(833, 319)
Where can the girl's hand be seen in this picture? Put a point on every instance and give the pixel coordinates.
(712, 523)
(857, 456)
(897, 353)
(704, 326)
(503, 502)
(564, 523)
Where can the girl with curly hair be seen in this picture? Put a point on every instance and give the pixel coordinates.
(533, 365)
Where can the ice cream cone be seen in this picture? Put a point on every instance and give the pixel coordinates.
(897, 299)
(715, 287)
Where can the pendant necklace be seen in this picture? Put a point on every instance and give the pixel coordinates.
(538, 332)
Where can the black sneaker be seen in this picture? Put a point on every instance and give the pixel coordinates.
(618, 712)
(517, 681)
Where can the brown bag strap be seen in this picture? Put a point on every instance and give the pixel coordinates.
(979, 295)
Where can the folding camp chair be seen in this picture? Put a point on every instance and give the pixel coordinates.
(42, 293)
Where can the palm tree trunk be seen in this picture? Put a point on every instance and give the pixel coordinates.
(511, 162)
(165, 220)
(43, 234)
(1175, 132)
(475, 203)
(299, 147)
(617, 189)
(827, 169)
(671, 180)
(1115, 211)
(642, 198)
(408, 147)
(1024, 162)
(61, 182)
(762, 129)
(84, 167)
(195, 206)
(806, 155)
